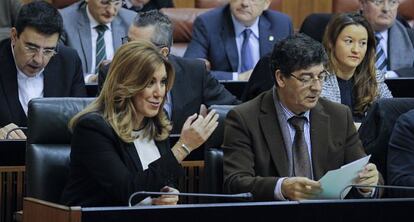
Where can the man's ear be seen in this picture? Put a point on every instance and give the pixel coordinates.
(13, 36)
(280, 79)
(267, 4)
(165, 51)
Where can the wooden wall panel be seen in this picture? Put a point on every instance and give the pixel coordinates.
(299, 9)
(184, 3)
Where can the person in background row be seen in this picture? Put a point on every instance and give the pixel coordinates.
(120, 141)
(395, 42)
(279, 144)
(353, 81)
(8, 14)
(400, 160)
(33, 65)
(95, 29)
(147, 5)
(193, 85)
(231, 39)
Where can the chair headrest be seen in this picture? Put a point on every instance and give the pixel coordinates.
(183, 19)
(48, 119)
(216, 138)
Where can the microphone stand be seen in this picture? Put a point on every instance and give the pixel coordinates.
(247, 196)
(373, 186)
(12, 130)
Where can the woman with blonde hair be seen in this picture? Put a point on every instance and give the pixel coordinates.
(350, 44)
(120, 141)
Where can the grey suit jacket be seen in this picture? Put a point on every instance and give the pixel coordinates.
(8, 14)
(78, 33)
(255, 156)
(401, 50)
(330, 88)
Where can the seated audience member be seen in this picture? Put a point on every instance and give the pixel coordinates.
(400, 163)
(193, 84)
(353, 81)
(147, 5)
(395, 42)
(34, 65)
(232, 38)
(95, 29)
(120, 141)
(8, 14)
(279, 144)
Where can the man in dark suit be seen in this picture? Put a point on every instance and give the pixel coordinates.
(33, 65)
(400, 161)
(396, 40)
(278, 145)
(219, 37)
(193, 85)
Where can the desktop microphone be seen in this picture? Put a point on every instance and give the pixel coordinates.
(374, 186)
(247, 196)
(12, 130)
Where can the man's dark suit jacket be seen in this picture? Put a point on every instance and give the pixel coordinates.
(192, 87)
(105, 171)
(63, 77)
(261, 80)
(255, 156)
(401, 155)
(213, 38)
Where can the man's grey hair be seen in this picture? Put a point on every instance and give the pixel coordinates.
(163, 32)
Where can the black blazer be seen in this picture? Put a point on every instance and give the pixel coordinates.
(105, 171)
(193, 86)
(62, 78)
(261, 79)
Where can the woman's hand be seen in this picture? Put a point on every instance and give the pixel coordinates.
(198, 128)
(166, 199)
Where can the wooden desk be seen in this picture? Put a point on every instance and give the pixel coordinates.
(325, 210)
(12, 189)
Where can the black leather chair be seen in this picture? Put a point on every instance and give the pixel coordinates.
(377, 127)
(48, 145)
(213, 156)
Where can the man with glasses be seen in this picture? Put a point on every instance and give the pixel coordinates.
(95, 28)
(34, 65)
(278, 145)
(232, 38)
(395, 42)
(193, 84)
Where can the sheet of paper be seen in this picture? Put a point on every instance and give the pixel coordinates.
(335, 181)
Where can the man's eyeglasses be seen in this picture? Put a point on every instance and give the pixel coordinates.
(308, 80)
(126, 39)
(391, 3)
(34, 50)
(114, 3)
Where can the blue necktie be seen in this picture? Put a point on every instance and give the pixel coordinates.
(100, 46)
(380, 58)
(246, 52)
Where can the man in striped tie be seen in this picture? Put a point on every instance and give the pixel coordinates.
(95, 29)
(395, 43)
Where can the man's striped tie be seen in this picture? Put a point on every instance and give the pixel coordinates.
(380, 59)
(100, 46)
